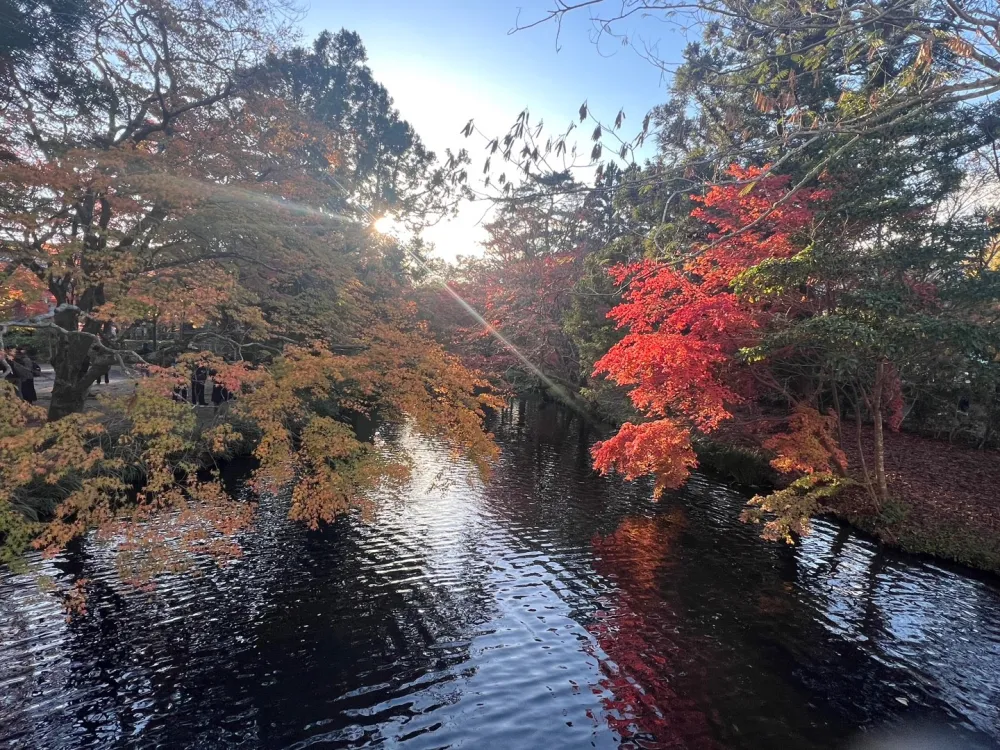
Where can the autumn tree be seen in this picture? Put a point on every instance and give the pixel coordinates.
(524, 285)
(686, 327)
(201, 181)
(133, 472)
(793, 311)
(97, 184)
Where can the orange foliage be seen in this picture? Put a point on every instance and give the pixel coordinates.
(214, 207)
(299, 412)
(171, 297)
(22, 295)
(402, 376)
(661, 449)
(809, 446)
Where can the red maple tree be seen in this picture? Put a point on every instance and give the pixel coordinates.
(686, 325)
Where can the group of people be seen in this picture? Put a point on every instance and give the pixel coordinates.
(199, 380)
(18, 368)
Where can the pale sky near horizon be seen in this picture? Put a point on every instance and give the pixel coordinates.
(446, 61)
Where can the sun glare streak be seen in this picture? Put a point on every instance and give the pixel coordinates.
(389, 226)
(557, 389)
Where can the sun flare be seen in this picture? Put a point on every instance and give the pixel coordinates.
(386, 225)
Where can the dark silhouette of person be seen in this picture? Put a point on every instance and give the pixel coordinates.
(198, 380)
(85, 368)
(13, 371)
(27, 375)
(219, 392)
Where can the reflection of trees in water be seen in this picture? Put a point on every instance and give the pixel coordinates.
(933, 633)
(753, 656)
(638, 634)
(346, 618)
(832, 635)
(363, 631)
(31, 658)
(394, 609)
(545, 479)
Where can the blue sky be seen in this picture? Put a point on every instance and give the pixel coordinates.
(446, 61)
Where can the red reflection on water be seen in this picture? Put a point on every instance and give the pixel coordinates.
(637, 632)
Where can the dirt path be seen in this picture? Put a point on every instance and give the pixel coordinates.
(120, 385)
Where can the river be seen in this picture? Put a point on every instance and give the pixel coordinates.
(548, 608)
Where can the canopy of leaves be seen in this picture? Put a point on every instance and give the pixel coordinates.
(198, 184)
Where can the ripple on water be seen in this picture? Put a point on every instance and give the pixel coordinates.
(548, 609)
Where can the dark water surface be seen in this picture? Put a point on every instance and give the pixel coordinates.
(550, 609)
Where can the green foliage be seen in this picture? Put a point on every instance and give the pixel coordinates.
(893, 514)
(786, 513)
(608, 403)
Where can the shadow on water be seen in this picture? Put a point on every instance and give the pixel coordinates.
(549, 608)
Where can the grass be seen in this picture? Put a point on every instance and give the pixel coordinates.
(901, 525)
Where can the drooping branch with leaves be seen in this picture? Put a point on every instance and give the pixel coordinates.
(204, 182)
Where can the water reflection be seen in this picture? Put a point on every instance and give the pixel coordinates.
(549, 609)
(648, 679)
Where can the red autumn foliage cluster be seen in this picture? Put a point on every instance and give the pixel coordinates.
(685, 325)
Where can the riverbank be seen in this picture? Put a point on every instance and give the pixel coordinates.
(945, 499)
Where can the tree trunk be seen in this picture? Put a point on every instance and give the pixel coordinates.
(840, 414)
(883, 488)
(67, 398)
(861, 454)
(72, 383)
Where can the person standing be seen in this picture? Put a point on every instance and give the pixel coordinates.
(17, 373)
(198, 380)
(27, 376)
(219, 393)
(85, 368)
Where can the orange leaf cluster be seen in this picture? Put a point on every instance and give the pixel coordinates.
(660, 448)
(400, 376)
(809, 446)
(134, 472)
